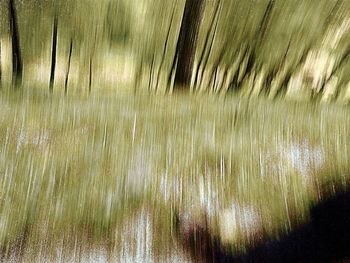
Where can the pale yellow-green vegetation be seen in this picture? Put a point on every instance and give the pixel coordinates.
(80, 174)
(104, 173)
(297, 49)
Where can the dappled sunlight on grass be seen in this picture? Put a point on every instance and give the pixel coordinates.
(107, 173)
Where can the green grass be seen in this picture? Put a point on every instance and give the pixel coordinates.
(76, 171)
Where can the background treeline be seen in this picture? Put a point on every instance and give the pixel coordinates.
(270, 47)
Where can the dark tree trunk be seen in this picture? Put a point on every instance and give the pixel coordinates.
(187, 43)
(0, 65)
(90, 74)
(53, 54)
(68, 67)
(17, 65)
(150, 81)
(91, 60)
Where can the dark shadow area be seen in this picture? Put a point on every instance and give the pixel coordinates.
(325, 238)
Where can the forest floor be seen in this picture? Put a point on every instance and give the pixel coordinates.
(91, 178)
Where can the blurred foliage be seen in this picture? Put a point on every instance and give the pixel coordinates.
(253, 49)
(91, 164)
(118, 30)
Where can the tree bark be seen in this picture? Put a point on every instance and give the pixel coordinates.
(187, 43)
(68, 67)
(166, 45)
(92, 54)
(90, 74)
(210, 32)
(17, 64)
(0, 66)
(53, 53)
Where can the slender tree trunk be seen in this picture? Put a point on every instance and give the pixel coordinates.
(0, 66)
(92, 54)
(17, 64)
(209, 51)
(187, 43)
(53, 53)
(206, 43)
(90, 74)
(150, 83)
(68, 67)
(165, 45)
(138, 76)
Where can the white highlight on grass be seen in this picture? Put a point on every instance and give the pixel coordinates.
(140, 173)
(137, 240)
(293, 158)
(303, 156)
(170, 187)
(239, 220)
(27, 137)
(207, 196)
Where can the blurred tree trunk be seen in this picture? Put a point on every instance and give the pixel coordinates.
(68, 67)
(53, 53)
(17, 65)
(92, 54)
(90, 74)
(0, 65)
(187, 43)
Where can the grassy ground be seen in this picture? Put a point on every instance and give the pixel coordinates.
(105, 173)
